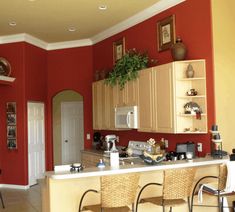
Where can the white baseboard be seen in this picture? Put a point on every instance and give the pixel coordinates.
(22, 187)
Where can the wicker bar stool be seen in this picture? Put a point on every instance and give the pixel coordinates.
(176, 187)
(3, 206)
(117, 192)
(221, 184)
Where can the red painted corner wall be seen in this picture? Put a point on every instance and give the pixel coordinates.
(13, 161)
(193, 24)
(28, 64)
(70, 69)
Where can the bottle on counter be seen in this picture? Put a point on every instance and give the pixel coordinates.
(101, 164)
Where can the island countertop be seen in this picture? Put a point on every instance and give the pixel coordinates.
(122, 169)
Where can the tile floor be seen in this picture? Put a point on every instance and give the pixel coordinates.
(17, 200)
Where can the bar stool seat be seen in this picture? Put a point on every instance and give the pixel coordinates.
(117, 193)
(176, 189)
(221, 184)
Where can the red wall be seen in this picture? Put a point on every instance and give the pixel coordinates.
(28, 65)
(40, 75)
(193, 25)
(70, 69)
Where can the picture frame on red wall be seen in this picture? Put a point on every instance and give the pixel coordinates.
(11, 125)
(118, 49)
(166, 33)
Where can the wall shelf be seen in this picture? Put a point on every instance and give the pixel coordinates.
(191, 97)
(4, 80)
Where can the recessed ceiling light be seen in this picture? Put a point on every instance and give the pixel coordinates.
(103, 7)
(12, 23)
(31, 0)
(72, 29)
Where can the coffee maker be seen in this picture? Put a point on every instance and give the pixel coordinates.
(110, 142)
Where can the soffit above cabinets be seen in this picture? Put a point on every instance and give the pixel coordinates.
(53, 21)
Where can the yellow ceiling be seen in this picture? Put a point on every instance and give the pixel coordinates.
(49, 20)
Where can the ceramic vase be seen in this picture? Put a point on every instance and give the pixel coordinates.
(178, 50)
(189, 71)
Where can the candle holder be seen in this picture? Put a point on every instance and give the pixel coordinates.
(216, 143)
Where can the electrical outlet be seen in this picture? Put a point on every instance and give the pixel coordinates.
(166, 143)
(199, 147)
(88, 136)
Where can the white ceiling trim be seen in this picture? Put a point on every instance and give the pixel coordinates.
(138, 18)
(69, 44)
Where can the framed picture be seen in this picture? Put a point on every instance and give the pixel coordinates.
(11, 107)
(11, 132)
(11, 119)
(11, 125)
(166, 33)
(11, 143)
(118, 49)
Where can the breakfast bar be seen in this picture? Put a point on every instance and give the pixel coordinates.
(62, 190)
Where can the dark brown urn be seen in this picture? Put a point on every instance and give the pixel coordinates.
(178, 50)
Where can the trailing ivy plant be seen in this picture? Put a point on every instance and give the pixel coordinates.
(127, 68)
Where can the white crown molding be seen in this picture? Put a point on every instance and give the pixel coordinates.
(15, 186)
(69, 44)
(35, 41)
(12, 38)
(138, 18)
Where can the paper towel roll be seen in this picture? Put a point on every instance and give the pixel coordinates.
(114, 159)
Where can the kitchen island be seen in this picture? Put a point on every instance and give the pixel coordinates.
(62, 190)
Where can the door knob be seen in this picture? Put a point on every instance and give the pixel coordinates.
(66, 141)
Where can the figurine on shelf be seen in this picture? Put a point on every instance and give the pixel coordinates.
(192, 92)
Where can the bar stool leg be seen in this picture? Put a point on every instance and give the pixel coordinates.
(2, 200)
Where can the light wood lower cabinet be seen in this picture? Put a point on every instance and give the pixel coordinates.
(90, 159)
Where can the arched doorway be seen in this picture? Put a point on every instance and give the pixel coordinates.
(68, 129)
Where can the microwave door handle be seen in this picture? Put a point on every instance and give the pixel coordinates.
(128, 119)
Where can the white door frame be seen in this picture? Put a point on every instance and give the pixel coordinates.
(80, 144)
(36, 141)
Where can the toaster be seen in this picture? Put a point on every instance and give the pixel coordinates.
(185, 148)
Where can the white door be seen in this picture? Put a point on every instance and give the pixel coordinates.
(36, 142)
(72, 131)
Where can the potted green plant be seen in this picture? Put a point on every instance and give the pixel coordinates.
(127, 68)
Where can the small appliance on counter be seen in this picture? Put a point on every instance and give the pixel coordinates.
(185, 148)
(110, 141)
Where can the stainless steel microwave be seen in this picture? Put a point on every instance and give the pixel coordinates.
(126, 117)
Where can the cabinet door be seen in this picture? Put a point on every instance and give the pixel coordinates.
(97, 104)
(164, 99)
(119, 96)
(145, 100)
(131, 96)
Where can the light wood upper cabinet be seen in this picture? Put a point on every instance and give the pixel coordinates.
(145, 101)
(160, 93)
(103, 108)
(127, 96)
(97, 104)
(164, 102)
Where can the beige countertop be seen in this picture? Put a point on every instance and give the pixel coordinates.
(122, 169)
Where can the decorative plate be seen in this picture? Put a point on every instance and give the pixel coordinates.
(5, 67)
